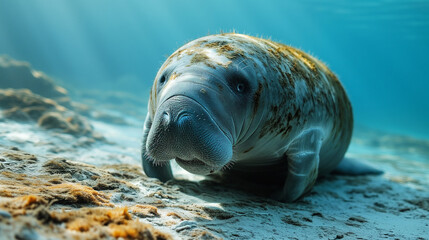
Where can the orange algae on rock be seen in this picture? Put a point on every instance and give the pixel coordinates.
(61, 193)
(57, 186)
(17, 156)
(124, 171)
(30, 201)
(115, 222)
(144, 210)
(20, 205)
(16, 176)
(83, 219)
(32, 190)
(77, 193)
(85, 223)
(136, 230)
(119, 213)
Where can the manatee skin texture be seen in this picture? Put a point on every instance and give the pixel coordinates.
(251, 105)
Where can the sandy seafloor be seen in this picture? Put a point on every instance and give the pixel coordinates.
(393, 206)
(57, 185)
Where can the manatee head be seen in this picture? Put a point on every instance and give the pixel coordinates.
(200, 105)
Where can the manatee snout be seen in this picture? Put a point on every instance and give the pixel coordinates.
(183, 129)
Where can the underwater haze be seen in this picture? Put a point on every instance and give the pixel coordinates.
(378, 48)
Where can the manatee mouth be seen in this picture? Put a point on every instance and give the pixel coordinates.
(184, 130)
(196, 166)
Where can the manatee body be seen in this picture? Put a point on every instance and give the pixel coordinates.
(232, 101)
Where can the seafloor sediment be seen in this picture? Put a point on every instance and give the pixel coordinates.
(78, 176)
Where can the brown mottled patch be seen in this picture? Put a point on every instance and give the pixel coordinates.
(227, 64)
(274, 53)
(236, 54)
(215, 44)
(151, 103)
(283, 80)
(256, 98)
(248, 150)
(176, 54)
(219, 86)
(291, 65)
(286, 130)
(226, 49)
(203, 58)
(301, 56)
(290, 79)
(200, 43)
(174, 75)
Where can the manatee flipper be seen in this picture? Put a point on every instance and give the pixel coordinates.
(163, 172)
(350, 166)
(303, 163)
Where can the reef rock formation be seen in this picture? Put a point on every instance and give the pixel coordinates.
(19, 74)
(16, 74)
(30, 95)
(24, 105)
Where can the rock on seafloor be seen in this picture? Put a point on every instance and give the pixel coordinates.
(37, 91)
(24, 105)
(30, 95)
(19, 74)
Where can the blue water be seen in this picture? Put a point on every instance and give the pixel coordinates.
(379, 49)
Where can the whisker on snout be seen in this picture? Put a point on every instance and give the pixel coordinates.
(153, 161)
(228, 166)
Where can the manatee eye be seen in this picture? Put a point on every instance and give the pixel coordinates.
(162, 79)
(238, 84)
(240, 87)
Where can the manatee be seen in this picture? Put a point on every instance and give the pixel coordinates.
(232, 102)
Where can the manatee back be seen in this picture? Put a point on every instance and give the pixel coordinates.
(320, 100)
(300, 92)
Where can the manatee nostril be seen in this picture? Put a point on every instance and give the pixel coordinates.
(169, 117)
(166, 117)
(182, 116)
